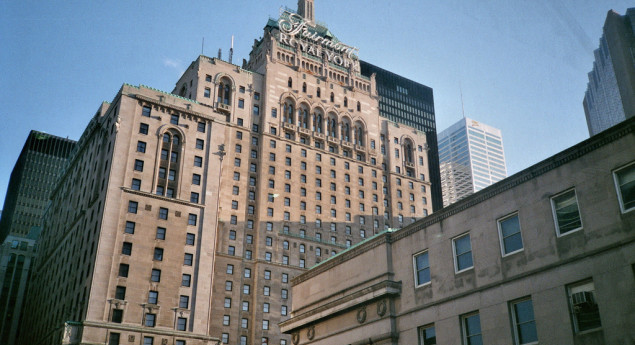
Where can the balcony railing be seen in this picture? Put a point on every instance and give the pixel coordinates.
(226, 108)
(287, 125)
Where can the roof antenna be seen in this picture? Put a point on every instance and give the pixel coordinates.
(202, 46)
(219, 54)
(231, 50)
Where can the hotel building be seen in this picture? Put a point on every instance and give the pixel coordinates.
(182, 217)
(472, 158)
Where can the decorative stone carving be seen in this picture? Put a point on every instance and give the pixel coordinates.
(361, 315)
(381, 308)
(295, 338)
(310, 333)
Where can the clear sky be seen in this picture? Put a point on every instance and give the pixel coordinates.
(522, 65)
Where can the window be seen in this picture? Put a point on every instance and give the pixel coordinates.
(427, 335)
(265, 307)
(245, 306)
(565, 212)
(187, 260)
(174, 119)
(120, 293)
(136, 184)
(207, 92)
(422, 269)
(462, 253)
(236, 162)
(185, 280)
(265, 324)
(133, 206)
(141, 146)
(158, 254)
(225, 338)
(229, 269)
(123, 270)
(198, 161)
(226, 320)
(509, 232)
(266, 291)
(231, 250)
(471, 326)
(268, 256)
(228, 302)
(241, 103)
(189, 239)
(285, 260)
(155, 276)
(285, 278)
(191, 219)
(153, 297)
(246, 289)
(138, 165)
(184, 302)
(114, 338)
(194, 197)
(625, 186)
(196, 179)
(524, 322)
(126, 249)
(243, 338)
(228, 285)
(583, 306)
(148, 340)
(201, 127)
(267, 273)
(150, 320)
(283, 310)
(163, 213)
(284, 294)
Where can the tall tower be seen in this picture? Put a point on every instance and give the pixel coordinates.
(472, 158)
(610, 95)
(305, 9)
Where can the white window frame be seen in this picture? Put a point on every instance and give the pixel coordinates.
(421, 329)
(464, 328)
(454, 256)
(584, 285)
(414, 268)
(512, 314)
(500, 233)
(555, 217)
(620, 199)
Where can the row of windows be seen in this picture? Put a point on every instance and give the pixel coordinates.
(566, 215)
(583, 309)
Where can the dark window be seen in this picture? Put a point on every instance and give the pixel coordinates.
(136, 184)
(194, 197)
(138, 165)
(198, 161)
(160, 233)
(132, 206)
(123, 270)
(189, 239)
(163, 213)
(117, 317)
(184, 302)
(174, 119)
(196, 179)
(153, 297)
(150, 320)
(130, 227)
(185, 280)
(120, 293)
(187, 260)
(141, 146)
(146, 111)
(201, 127)
(158, 254)
(200, 143)
(155, 276)
(241, 103)
(181, 323)
(126, 249)
(143, 128)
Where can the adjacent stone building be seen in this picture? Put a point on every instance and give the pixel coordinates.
(182, 217)
(545, 256)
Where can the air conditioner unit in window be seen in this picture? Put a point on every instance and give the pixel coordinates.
(581, 299)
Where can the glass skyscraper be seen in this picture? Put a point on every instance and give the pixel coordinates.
(472, 158)
(402, 100)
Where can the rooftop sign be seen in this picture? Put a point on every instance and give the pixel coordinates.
(295, 32)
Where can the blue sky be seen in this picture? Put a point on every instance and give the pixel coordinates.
(522, 65)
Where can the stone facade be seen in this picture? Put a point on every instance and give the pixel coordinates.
(546, 255)
(183, 217)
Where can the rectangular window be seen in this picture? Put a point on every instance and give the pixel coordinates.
(117, 316)
(158, 254)
(150, 320)
(207, 92)
(194, 197)
(136, 184)
(201, 127)
(191, 219)
(189, 239)
(625, 186)
(462, 253)
(471, 326)
(200, 143)
(583, 306)
(427, 335)
(141, 147)
(120, 293)
(422, 269)
(146, 111)
(138, 165)
(509, 232)
(133, 206)
(241, 103)
(184, 302)
(153, 297)
(198, 161)
(126, 249)
(155, 276)
(187, 260)
(181, 324)
(185, 280)
(524, 322)
(114, 338)
(196, 179)
(163, 213)
(566, 213)
(174, 119)
(123, 270)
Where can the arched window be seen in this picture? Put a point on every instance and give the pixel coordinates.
(359, 106)
(290, 82)
(318, 92)
(332, 97)
(318, 121)
(224, 91)
(303, 116)
(345, 102)
(288, 111)
(303, 87)
(169, 164)
(408, 151)
(166, 138)
(331, 125)
(346, 130)
(359, 134)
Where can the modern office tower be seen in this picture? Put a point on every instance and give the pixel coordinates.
(39, 166)
(545, 256)
(472, 158)
(610, 95)
(404, 101)
(183, 217)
